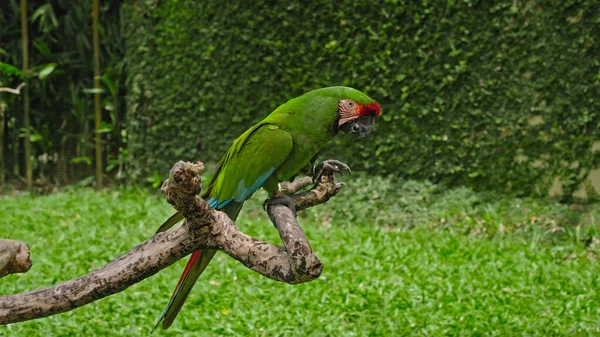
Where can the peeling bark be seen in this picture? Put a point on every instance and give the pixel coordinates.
(14, 257)
(203, 228)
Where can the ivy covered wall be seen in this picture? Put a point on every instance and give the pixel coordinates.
(498, 95)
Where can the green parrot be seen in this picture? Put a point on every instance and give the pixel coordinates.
(274, 150)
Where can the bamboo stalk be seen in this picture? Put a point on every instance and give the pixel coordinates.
(26, 117)
(3, 107)
(97, 111)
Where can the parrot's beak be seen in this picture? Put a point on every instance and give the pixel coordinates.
(360, 126)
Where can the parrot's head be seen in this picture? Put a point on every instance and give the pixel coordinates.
(356, 112)
(324, 112)
(357, 118)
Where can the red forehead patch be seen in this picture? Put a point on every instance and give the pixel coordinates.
(371, 109)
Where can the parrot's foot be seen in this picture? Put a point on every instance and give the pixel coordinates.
(281, 199)
(335, 166)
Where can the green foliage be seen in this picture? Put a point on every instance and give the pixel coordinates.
(403, 205)
(379, 278)
(8, 70)
(60, 59)
(475, 92)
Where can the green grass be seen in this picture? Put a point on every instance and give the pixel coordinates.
(400, 259)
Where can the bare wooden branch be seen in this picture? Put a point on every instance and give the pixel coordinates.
(296, 185)
(14, 257)
(325, 189)
(16, 91)
(203, 228)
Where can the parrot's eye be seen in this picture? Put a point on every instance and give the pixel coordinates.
(348, 108)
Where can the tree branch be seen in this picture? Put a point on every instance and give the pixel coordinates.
(16, 91)
(14, 257)
(203, 228)
(296, 185)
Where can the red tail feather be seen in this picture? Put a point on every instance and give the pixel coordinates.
(195, 256)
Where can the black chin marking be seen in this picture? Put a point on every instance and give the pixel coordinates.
(361, 126)
(348, 127)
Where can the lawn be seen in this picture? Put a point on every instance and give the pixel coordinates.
(400, 258)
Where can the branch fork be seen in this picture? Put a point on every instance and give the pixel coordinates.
(203, 228)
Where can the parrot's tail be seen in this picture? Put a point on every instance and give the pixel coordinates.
(172, 221)
(194, 268)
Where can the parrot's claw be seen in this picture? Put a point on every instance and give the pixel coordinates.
(335, 166)
(281, 199)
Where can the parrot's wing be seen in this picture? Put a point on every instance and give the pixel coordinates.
(250, 161)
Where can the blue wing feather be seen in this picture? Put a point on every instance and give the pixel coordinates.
(243, 192)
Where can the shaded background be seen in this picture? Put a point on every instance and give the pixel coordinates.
(498, 96)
